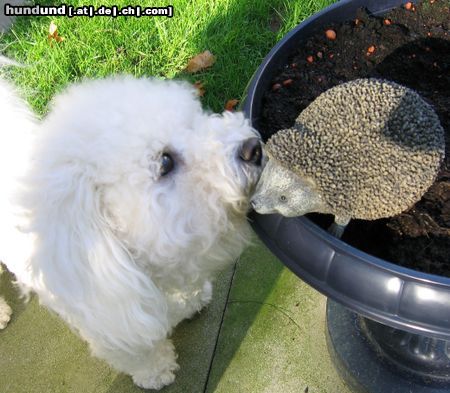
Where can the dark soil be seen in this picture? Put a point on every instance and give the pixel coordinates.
(411, 47)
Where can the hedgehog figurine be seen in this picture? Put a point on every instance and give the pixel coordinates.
(365, 149)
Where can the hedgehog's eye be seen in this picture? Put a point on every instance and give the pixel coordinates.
(167, 164)
(283, 198)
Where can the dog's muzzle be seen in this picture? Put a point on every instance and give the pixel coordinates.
(251, 151)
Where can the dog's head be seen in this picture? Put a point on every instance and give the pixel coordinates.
(129, 167)
(162, 169)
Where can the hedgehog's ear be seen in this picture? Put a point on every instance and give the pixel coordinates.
(85, 267)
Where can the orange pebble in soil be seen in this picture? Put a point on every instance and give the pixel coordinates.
(330, 34)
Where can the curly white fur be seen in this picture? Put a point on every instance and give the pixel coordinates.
(120, 252)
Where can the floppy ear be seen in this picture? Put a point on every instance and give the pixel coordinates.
(83, 271)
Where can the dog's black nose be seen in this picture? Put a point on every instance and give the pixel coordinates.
(251, 151)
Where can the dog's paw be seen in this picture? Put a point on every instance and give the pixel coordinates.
(161, 369)
(5, 313)
(148, 380)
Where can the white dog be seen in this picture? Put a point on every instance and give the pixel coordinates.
(119, 208)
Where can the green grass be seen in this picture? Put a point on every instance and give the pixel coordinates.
(238, 32)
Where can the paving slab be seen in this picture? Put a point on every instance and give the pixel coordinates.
(273, 335)
(5, 20)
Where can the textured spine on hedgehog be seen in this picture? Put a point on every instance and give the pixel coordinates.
(370, 147)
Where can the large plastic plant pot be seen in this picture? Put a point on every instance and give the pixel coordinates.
(394, 318)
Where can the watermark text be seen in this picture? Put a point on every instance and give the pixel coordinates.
(87, 10)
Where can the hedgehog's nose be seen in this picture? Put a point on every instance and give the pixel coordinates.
(251, 151)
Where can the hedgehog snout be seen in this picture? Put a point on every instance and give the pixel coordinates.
(261, 205)
(258, 200)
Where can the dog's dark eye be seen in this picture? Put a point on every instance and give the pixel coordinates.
(167, 164)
